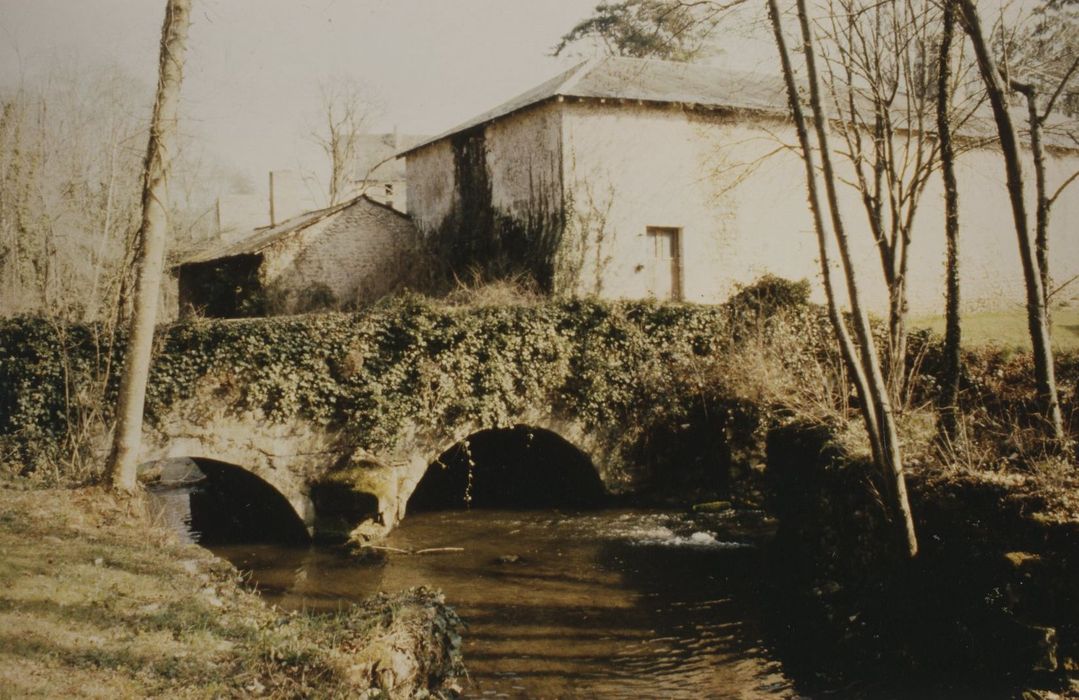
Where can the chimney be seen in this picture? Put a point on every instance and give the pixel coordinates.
(290, 196)
(273, 221)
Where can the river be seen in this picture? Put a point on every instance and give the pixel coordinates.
(608, 604)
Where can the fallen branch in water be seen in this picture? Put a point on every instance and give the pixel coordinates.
(428, 550)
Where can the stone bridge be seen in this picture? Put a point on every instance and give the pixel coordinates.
(344, 414)
(312, 465)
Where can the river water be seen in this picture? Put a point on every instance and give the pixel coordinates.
(605, 604)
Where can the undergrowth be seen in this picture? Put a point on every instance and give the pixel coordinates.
(639, 368)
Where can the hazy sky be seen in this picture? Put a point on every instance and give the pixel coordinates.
(253, 67)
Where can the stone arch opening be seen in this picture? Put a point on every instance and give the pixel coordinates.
(518, 467)
(233, 505)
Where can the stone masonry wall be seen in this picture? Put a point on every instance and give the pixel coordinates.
(357, 256)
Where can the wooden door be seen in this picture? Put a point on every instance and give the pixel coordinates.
(665, 246)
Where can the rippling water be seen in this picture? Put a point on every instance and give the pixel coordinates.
(609, 604)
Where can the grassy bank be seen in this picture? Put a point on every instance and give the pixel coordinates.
(96, 600)
(1007, 329)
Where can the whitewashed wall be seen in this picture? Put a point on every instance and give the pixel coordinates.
(524, 157)
(737, 194)
(524, 160)
(431, 185)
(741, 206)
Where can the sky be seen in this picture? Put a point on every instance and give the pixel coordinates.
(251, 87)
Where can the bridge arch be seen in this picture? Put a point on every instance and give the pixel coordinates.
(522, 466)
(234, 503)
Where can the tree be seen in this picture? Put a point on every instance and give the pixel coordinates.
(878, 70)
(675, 30)
(1033, 275)
(345, 114)
(150, 253)
(69, 184)
(861, 360)
(949, 400)
(1037, 121)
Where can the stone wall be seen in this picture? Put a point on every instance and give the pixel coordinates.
(368, 401)
(350, 258)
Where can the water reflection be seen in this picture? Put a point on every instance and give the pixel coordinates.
(612, 604)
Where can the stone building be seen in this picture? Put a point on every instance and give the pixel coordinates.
(339, 257)
(634, 178)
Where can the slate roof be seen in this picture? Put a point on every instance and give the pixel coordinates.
(647, 80)
(697, 85)
(261, 238)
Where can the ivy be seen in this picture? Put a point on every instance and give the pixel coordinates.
(615, 366)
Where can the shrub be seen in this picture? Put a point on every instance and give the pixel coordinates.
(768, 296)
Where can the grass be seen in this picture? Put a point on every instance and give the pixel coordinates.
(1007, 329)
(96, 600)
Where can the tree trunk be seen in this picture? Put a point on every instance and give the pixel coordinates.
(949, 398)
(876, 409)
(891, 464)
(850, 356)
(150, 256)
(1041, 212)
(1037, 316)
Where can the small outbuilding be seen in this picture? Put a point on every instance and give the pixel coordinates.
(342, 256)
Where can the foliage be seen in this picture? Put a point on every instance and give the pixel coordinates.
(1001, 425)
(622, 368)
(637, 371)
(768, 296)
(665, 29)
(485, 243)
(58, 390)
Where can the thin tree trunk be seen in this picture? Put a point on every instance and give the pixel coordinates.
(876, 409)
(892, 462)
(93, 312)
(1041, 212)
(850, 355)
(150, 257)
(949, 399)
(1037, 316)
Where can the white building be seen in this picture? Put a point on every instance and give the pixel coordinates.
(380, 174)
(634, 178)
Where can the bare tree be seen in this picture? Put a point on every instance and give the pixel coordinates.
(878, 70)
(1037, 312)
(861, 359)
(1044, 201)
(150, 256)
(949, 400)
(345, 113)
(68, 190)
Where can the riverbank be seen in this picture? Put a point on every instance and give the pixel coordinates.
(97, 600)
(989, 609)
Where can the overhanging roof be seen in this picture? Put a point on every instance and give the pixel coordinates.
(645, 80)
(262, 238)
(619, 78)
